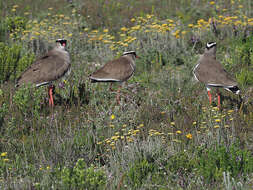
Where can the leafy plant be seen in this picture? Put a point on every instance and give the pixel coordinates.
(213, 162)
(16, 23)
(29, 100)
(82, 177)
(11, 61)
(139, 172)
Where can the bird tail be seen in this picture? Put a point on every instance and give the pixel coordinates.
(234, 89)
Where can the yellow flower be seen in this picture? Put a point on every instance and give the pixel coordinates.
(105, 30)
(117, 133)
(217, 120)
(183, 32)
(123, 29)
(94, 31)
(178, 132)
(169, 20)
(4, 154)
(133, 20)
(194, 123)
(73, 11)
(176, 140)
(48, 167)
(37, 33)
(137, 27)
(157, 133)
(216, 126)
(13, 10)
(141, 125)
(172, 123)
(15, 6)
(112, 126)
(212, 3)
(148, 16)
(189, 136)
(112, 117)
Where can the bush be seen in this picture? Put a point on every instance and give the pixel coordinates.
(29, 100)
(139, 172)
(213, 162)
(15, 23)
(12, 63)
(82, 177)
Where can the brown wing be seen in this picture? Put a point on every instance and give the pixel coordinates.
(46, 69)
(117, 70)
(211, 72)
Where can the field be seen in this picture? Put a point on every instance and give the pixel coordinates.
(163, 134)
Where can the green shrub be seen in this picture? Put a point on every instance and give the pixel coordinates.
(139, 172)
(213, 162)
(29, 100)
(16, 23)
(11, 61)
(83, 177)
(180, 162)
(245, 77)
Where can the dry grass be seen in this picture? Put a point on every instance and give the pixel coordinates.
(164, 128)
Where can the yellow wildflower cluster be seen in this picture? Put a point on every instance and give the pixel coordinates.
(123, 135)
(220, 120)
(49, 29)
(4, 155)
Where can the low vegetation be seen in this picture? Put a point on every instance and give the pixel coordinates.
(164, 134)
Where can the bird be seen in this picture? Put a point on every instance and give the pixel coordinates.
(211, 72)
(117, 70)
(48, 68)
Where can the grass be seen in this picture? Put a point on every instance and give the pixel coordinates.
(164, 134)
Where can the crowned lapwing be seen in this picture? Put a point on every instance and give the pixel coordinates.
(210, 72)
(52, 66)
(118, 70)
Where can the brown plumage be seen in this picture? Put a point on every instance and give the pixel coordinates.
(117, 70)
(211, 72)
(52, 66)
(48, 68)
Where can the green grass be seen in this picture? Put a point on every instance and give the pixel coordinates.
(163, 135)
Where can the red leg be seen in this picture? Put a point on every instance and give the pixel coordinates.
(50, 93)
(210, 97)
